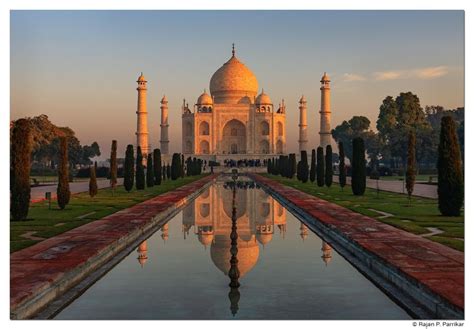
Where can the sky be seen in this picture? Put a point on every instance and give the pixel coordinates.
(80, 67)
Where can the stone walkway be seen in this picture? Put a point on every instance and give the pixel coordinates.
(436, 268)
(42, 272)
(38, 193)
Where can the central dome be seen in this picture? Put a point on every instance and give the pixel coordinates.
(233, 82)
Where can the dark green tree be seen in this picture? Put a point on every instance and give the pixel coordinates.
(113, 166)
(150, 174)
(20, 165)
(164, 172)
(175, 166)
(140, 181)
(312, 171)
(168, 171)
(304, 167)
(328, 166)
(182, 172)
(410, 174)
(269, 166)
(63, 192)
(129, 169)
(320, 166)
(93, 180)
(292, 165)
(157, 166)
(342, 166)
(358, 180)
(450, 175)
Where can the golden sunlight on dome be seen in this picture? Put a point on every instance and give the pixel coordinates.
(206, 239)
(233, 81)
(263, 99)
(204, 99)
(141, 78)
(264, 238)
(247, 255)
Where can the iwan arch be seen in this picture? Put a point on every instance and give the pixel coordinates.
(233, 122)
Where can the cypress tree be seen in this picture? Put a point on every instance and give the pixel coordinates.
(312, 171)
(129, 169)
(140, 181)
(189, 166)
(93, 180)
(168, 171)
(150, 174)
(269, 167)
(298, 170)
(358, 166)
(175, 167)
(281, 166)
(304, 167)
(292, 165)
(320, 167)
(328, 166)
(113, 166)
(450, 176)
(164, 172)
(63, 192)
(182, 165)
(410, 174)
(277, 166)
(157, 166)
(20, 165)
(342, 166)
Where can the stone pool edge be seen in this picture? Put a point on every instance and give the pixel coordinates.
(417, 299)
(55, 287)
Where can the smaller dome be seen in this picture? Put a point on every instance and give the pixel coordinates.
(164, 100)
(303, 99)
(141, 78)
(206, 239)
(264, 238)
(204, 99)
(325, 77)
(263, 99)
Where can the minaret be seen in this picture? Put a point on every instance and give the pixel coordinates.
(325, 130)
(303, 141)
(164, 141)
(142, 125)
(142, 253)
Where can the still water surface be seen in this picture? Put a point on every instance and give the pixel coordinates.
(286, 271)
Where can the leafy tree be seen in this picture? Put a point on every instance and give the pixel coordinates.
(140, 181)
(312, 171)
(320, 166)
(150, 175)
(93, 180)
(410, 174)
(328, 165)
(342, 166)
(63, 192)
(20, 164)
(113, 166)
(129, 169)
(157, 166)
(304, 167)
(358, 181)
(175, 166)
(450, 176)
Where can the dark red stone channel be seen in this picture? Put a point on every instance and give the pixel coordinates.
(429, 272)
(42, 272)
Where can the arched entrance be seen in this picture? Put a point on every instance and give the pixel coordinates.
(234, 137)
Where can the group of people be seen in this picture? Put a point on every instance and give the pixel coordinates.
(244, 163)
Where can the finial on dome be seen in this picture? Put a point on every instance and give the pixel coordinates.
(233, 50)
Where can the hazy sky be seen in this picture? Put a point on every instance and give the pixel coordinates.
(80, 67)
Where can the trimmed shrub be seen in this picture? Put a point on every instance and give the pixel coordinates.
(113, 165)
(140, 181)
(175, 166)
(312, 171)
(358, 166)
(292, 165)
(320, 167)
(157, 166)
(93, 180)
(129, 169)
(63, 192)
(20, 164)
(450, 176)
(328, 166)
(150, 175)
(410, 175)
(304, 167)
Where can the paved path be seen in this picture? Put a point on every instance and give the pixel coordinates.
(53, 266)
(423, 190)
(434, 267)
(38, 193)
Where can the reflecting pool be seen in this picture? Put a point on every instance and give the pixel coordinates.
(279, 269)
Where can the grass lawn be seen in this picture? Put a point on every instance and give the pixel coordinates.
(422, 212)
(48, 223)
(54, 179)
(419, 178)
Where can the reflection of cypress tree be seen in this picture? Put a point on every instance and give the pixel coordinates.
(234, 273)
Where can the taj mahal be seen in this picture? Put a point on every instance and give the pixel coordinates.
(233, 120)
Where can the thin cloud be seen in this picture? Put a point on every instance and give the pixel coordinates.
(353, 77)
(424, 73)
